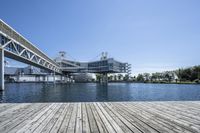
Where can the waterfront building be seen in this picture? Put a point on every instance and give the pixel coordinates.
(32, 74)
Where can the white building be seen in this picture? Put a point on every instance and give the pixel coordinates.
(32, 74)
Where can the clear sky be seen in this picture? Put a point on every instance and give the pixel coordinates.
(152, 35)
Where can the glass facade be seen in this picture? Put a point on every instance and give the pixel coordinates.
(102, 66)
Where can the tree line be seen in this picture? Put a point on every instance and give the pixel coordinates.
(182, 75)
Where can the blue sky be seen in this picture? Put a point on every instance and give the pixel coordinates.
(152, 35)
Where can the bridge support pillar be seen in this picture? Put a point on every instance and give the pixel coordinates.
(47, 78)
(54, 77)
(1, 69)
(104, 78)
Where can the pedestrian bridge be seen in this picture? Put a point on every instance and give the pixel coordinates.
(13, 45)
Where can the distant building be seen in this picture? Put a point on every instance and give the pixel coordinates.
(170, 76)
(31, 74)
(83, 77)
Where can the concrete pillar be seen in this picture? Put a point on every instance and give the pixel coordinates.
(67, 76)
(47, 78)
(43, 78)
(1, 69)
(62, 79)
(104, 78)
(54, 78)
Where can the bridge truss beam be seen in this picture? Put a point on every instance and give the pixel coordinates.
(17, 51)
(15, 46)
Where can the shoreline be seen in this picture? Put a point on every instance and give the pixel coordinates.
(188, 83)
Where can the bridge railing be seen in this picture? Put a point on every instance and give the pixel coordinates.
(16, 36)
(18, 46)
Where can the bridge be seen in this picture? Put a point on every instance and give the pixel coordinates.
(13, 45)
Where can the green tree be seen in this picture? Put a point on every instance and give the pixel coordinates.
(126, 77)
(188, 74)
(110, 77)
(146, 76)
(168, 76)
(140, 78)
(115, 77)
(98, 77)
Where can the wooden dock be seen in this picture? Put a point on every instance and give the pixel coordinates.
(127, 117)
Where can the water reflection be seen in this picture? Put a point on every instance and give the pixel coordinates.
(90, 92)
(102, 92)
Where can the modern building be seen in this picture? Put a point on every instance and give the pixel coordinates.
(103, 66)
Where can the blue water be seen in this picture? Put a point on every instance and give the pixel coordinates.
(91, 92)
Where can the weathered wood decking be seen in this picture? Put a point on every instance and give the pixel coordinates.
(101, 117)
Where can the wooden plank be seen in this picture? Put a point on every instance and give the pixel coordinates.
(86, 126)
(169, 118)
(92, 122)
(16, 121)
(189, 109)
(179, 113)
(184, 120)
(106, 119)
(31, 123)
(29, 117)
(4, 107)
(163, 122)
(139, 123)
(97, 118)
(43, 120)
(71, 127)
(79, 127)
(124, 120)
(54, 117)
(15, 109)
(13, 113)
(67, 117)
(57, 125)
(159, 124)
(117, 119)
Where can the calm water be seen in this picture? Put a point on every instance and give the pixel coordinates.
(90, 92)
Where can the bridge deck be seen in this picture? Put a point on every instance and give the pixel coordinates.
(101, 117)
